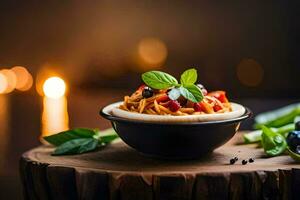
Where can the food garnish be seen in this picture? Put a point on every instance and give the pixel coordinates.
(164, 95)
(80, 140)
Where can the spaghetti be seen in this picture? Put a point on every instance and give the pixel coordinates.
(160, 104)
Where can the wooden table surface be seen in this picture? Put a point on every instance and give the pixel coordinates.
(119, 172)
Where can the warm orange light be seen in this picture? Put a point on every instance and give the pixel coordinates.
(43, 74)
(24, 78)
(54, 87)
(3, 83)
(152, 52)
(11, 80)
(55, 116)
(250, 72)
(28, 84)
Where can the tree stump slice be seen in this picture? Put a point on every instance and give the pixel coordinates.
(119, 172)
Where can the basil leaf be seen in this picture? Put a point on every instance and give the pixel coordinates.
(76, 146)
(174, 94)
(108, 138)
(88, 146)
(192, 93)
(107, 132)
(159, 80)
(188, 77)
(62, 137)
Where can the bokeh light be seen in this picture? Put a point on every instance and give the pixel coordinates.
(46, 71)
(250, 72)
(3, 83)
(54, 87)
(24, 78)
(11, 80)
(152, 52)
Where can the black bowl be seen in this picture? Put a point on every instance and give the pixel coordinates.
(188, 140)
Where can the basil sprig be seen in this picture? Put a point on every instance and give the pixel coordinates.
(186, 87)
(80, 140)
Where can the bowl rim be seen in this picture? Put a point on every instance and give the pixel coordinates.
(246, 115)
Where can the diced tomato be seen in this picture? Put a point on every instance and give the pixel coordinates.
(163, 98)
(197, 107)
(223, 98)
(174, 105)
(220, 95)
(217, 108)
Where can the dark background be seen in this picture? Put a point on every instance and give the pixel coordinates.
(248, 48)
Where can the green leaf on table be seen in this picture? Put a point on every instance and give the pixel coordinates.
(106, 136)
(76, 146)
(273, 143)
(192, 93)
(188, 77)
(80, 140)
(159, 80)
(62, 137)
(106, 139)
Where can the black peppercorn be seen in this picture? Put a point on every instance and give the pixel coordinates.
(251, 160)
(232, 161)
(236, 158)
(244, 162)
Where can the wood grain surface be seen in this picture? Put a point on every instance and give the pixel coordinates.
(119, 172)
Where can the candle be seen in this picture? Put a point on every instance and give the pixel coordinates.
(4, 129)
(55, 113)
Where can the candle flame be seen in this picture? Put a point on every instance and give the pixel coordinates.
(54, 87)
